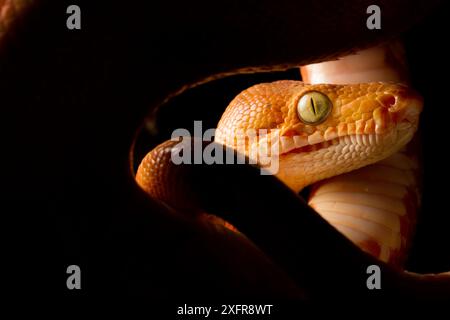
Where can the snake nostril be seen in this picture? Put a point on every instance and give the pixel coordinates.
(388, 101)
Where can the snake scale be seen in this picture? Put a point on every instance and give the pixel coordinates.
(250, 59)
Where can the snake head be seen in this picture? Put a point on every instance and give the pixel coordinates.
(319, 131)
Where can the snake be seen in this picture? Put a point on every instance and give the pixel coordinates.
(317, 131)
(321, 131)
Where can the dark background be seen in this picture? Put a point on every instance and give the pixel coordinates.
(64, 95)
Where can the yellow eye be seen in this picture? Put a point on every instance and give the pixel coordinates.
(314, 107)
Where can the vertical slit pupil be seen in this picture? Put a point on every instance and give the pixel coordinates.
(313, 106)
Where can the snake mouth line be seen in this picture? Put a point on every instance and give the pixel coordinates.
(298, 144)
(361, 140)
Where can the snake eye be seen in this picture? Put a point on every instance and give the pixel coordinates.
(314, 107)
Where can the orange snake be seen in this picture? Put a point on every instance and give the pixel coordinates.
(367, 123)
